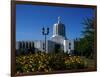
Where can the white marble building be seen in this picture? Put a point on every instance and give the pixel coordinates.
(57, 41)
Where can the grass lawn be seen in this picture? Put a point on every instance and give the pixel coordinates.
(91, 63)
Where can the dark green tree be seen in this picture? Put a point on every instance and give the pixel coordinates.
(88, 36)
(85, 45)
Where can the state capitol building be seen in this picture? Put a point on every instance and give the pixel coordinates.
(57, 42)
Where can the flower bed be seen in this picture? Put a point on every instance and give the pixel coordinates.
(42, 62)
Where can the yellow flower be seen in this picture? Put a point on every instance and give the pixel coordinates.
(30, 66)
(46, 70)
(33, 69)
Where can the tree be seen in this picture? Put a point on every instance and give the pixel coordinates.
(88, 36)
(85, 45)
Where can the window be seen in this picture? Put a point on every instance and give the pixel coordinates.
(69, 45)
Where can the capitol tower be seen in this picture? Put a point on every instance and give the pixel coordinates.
(60, 39)
(59, 33)
(59, 29)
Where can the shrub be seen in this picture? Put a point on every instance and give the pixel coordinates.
(41, 61)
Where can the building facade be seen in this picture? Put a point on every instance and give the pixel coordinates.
(57, 43)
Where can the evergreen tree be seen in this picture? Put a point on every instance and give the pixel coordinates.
(85, 45)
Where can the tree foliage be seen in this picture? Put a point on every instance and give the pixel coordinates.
(85, 45)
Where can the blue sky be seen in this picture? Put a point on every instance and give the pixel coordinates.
(31, 18)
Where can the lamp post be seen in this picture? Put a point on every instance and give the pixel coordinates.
(45, 32)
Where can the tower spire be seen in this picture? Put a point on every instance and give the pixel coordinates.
(59, 19)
